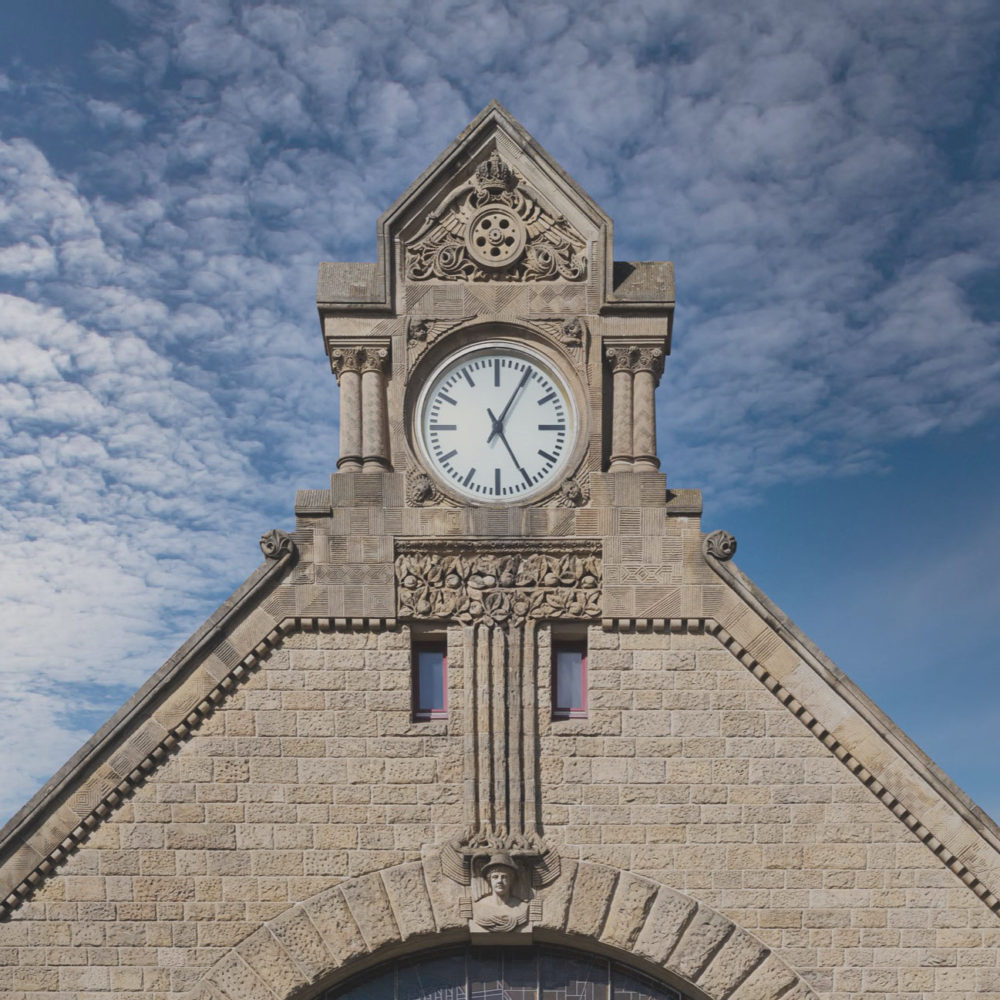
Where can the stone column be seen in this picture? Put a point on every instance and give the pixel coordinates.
(346, 365)
(621, 409)
(647, 365)
(374, 411)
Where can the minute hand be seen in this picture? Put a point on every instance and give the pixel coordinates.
(498, 422)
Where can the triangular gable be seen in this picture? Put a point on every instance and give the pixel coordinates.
(555, 203)
(200, 676)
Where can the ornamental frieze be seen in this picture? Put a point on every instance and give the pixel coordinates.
(499, 587)
(493, 227)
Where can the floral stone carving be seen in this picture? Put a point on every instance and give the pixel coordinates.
(498, 589)
(720, 545)
(494, 227)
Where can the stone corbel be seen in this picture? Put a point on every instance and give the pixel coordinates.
(635, 372)
(361, 371)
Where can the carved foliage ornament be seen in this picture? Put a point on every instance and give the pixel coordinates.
(498, 589)
(276, 543)
(493, 227)
(636, 359)
(358, 359)
(720, 545)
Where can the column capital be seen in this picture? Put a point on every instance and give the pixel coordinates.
(359, 358)
(633, 357)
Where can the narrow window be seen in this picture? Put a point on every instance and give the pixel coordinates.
(430, 680)
(569, 679)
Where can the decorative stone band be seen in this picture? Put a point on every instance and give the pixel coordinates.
(352, 926)
(635, 373)
(361, 371)
(498, 583)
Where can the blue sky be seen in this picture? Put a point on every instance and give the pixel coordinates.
(823, 175)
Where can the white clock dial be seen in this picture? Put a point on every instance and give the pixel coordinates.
(497, 423)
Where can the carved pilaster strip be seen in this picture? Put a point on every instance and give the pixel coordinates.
(532, 821)
(483, 702)
(470, 693)
(515, 725)
(498, 742)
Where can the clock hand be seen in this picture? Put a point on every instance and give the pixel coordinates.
(510, 451)
(498, 421)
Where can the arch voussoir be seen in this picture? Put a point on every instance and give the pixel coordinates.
(344, 928)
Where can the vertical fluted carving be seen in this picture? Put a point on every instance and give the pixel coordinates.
(501, 740)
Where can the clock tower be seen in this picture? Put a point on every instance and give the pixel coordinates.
(498, 491)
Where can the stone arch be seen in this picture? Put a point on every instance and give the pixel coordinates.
(367, 920)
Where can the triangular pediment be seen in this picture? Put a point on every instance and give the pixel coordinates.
(495, 207)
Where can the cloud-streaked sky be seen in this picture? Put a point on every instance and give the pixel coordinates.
(825, 176)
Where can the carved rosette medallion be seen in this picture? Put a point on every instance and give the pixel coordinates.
(498, 588)
(495, 227)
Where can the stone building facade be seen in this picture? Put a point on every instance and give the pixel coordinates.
(539, 668)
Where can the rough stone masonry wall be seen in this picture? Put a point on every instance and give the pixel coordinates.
(687, 771)
(690, 772)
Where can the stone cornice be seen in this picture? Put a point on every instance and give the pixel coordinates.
(51, 825)
(910, 783)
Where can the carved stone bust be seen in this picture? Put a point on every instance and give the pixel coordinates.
(500, 909)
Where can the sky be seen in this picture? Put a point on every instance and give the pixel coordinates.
(823, 175)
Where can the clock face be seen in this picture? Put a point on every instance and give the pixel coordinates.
(497, 423)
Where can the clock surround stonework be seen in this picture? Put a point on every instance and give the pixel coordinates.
(267, 818)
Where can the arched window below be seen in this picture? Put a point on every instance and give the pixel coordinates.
(538, 972)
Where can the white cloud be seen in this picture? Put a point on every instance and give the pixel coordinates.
(163, 374)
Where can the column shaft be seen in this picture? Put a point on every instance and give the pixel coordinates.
(374, 421)
(350, 422)
(621, 421)
(644, 421)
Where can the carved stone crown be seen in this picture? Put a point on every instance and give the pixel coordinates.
(494, 175)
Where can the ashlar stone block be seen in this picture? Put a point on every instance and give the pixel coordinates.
(668, 915)
(409, 900)
(296, 933)
(332, 917)
(366, 896)
(592, 893)
(268, 958)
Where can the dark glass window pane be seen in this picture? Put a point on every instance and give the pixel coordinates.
(569, 675)
(513, 973)
(429, 669)
(629, 986)
(572, 977)
(382, 986)
(433, 979)
(520, 974)
(485, 974)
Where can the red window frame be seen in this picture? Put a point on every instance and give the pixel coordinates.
(426, 714)
(571, 711)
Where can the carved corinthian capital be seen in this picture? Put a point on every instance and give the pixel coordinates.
(374, 359)
(636, 358)
(358, 359)
(345, 359)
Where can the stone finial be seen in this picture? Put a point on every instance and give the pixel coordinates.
(720, 545)
(276, 543)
